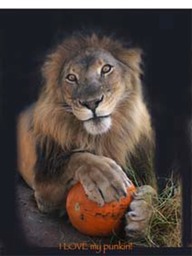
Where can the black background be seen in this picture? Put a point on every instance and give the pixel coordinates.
(164, 35)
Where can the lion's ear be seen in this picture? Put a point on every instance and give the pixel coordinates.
(52, 67)
(132, 58)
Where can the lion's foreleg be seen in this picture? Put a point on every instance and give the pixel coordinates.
(142, 206)
(102, 179)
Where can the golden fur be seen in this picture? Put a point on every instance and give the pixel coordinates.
(57, 118)
(131, 120)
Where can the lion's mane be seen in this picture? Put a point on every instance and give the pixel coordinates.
(131, 134)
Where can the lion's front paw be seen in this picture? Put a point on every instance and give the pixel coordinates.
(141, 209)
(103, 180)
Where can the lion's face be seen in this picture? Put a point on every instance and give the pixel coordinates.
(92, 84)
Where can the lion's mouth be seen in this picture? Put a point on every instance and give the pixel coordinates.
(97, 118)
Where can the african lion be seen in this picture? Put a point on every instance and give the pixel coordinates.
(89, 124)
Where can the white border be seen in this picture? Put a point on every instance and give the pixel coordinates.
(92, 4)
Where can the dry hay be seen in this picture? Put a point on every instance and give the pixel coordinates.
(165, 225)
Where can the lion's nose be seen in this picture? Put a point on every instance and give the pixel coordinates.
(92, 104)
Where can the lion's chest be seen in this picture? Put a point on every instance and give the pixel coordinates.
(108, 146)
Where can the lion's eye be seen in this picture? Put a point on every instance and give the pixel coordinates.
(71, 78)
(106, 69)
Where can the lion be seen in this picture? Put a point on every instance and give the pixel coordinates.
(90, 124)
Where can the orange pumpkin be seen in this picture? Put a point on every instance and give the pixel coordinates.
(91, 219)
